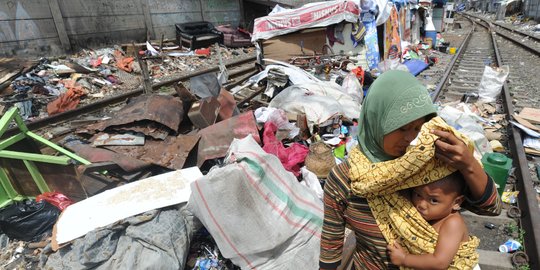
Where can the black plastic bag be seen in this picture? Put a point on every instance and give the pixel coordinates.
(27, 220)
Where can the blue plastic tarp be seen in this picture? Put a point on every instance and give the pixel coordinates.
(416, 66)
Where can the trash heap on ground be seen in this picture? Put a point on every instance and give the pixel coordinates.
(50, 86)
(195, 178)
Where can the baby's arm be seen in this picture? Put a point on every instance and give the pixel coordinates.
(450, 236)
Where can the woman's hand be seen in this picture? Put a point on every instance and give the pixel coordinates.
(454, 152)
(397, 253)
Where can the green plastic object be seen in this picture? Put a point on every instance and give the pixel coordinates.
(8, 193)
(339, 152)
(498, 167)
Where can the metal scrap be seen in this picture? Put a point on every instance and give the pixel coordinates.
(102, 139)
(216, 139)
(170, 153)
(162, 110)
(96, 155)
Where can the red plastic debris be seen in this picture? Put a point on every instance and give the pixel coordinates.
(291, 157)
(96, 62)
(57, 199)
(205, 52)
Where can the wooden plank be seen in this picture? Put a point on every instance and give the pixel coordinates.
(147, 19)
(59, 23)
(24, 9)
(171, 6)
(526, 123)
(103, 24)
(21, 30)
(83, 8)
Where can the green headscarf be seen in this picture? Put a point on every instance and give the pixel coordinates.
(395, 99)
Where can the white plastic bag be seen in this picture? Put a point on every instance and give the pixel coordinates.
(311, 181)
(353, 88)
(466, 122)
(279, 118)
(492, 82)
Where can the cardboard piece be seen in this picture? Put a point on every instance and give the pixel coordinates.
(305, 42)
(531, 151)
(531, 115)
(525, 123)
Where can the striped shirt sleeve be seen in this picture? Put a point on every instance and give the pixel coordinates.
(489, 204)
(333, 230)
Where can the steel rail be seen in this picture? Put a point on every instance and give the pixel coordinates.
(507, 28)
(527, 197)
(452, 63)
(527, 200)
(119, 98)
(508, 37)
(535, 38)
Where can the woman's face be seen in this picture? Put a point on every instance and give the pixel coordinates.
(396, 142)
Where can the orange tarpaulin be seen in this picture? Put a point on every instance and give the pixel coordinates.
(67, 101)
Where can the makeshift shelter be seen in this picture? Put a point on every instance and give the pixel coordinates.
(306, 30)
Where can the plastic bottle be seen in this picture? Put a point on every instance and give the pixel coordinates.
(498, 167)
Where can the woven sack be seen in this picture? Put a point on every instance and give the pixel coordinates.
(320, 159)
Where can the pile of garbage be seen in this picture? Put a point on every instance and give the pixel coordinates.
(166, 167)
(51, 86)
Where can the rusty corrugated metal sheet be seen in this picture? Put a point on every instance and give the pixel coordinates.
(215, 139)
(170, 153)
(162, 110)
(97, 155)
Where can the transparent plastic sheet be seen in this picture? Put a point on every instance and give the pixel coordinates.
(352, 87)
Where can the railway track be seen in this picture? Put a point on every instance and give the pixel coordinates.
(487, 44)
(462, 76)
(238, 70)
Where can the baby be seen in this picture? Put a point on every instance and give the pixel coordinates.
(439, 204)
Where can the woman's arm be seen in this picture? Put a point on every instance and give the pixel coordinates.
(333, 230)
(483, 196)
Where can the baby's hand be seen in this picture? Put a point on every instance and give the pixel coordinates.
(397, 253)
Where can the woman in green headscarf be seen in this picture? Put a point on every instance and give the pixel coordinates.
(396, 107)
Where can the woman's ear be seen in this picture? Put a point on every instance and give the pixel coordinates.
(457, 202)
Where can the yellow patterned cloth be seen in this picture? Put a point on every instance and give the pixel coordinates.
(396, 217)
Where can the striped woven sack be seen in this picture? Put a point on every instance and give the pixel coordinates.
(259, 214)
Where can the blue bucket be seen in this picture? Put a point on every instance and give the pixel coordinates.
(433, 35)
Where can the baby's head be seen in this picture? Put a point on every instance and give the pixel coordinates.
(439, 199)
